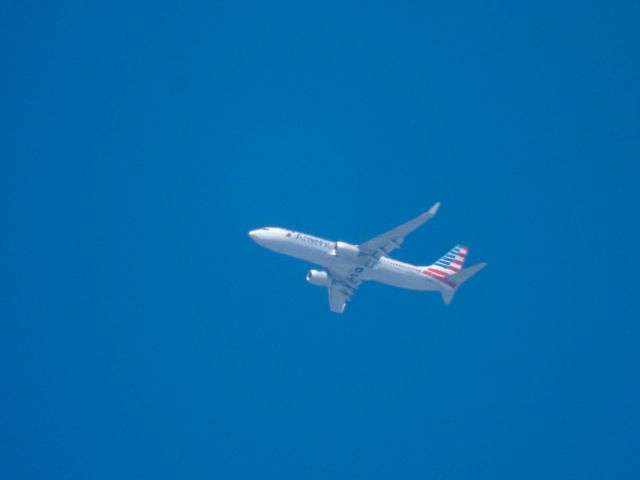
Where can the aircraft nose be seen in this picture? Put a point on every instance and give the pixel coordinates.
(253, 234)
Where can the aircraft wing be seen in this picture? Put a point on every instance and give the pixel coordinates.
(343, 285)
(338, 297)
(344, 282)
(384, 244)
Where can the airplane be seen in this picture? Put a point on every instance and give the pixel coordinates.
(347, 266)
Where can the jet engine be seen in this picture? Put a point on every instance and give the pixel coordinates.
(344, 249)
(316, 277)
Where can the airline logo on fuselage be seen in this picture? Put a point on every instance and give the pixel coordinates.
(311, 240)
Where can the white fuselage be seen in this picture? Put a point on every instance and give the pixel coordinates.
(323, 252)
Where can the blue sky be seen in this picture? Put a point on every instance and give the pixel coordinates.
(143, 334)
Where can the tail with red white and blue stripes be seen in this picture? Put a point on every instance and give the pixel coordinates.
(451, 263)
(448, 270)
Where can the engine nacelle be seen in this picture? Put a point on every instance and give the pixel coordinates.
(316, 277)
(344, 249)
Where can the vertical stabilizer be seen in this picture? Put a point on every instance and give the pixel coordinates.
(449, 264)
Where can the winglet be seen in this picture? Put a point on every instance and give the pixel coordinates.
(433, 210)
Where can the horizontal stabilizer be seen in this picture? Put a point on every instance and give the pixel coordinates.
(458, 279)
